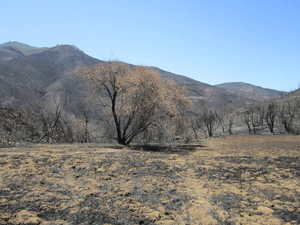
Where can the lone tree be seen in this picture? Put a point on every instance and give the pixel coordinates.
(208, 122)
(271, 114)
(137, 98)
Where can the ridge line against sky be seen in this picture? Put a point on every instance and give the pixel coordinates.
(214, 42)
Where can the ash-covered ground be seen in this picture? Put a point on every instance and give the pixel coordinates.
(232, 180)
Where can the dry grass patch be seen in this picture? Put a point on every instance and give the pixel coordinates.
(236, 180)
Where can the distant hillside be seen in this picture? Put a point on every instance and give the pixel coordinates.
(27, 49)
(250, 91)
(24, 48)
(204, 94)
(16, 44)
(8, 53)
(35, 78)
(293, 98)
(293, 94)
(32, 79)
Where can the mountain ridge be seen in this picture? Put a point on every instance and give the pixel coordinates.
(52, 71)
(252, 91)
(28, 49)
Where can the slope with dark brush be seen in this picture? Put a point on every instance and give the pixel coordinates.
(250, 91)
(8, 53)
(39, 76)
(203, 94)
(24, 48)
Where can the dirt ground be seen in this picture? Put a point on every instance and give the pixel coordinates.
(232, 180)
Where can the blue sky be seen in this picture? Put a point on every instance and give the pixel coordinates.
(214, 42)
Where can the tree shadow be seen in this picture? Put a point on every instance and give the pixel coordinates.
(181, 149)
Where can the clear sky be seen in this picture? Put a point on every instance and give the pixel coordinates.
(252, 41)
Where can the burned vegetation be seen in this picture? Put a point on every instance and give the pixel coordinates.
(113, 143)
(236, 180)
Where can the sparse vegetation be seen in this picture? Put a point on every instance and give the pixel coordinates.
(144, 105)
(236, 180)
(208, 121)
(18, 125)
(166, 168)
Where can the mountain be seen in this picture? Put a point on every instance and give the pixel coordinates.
(16, 44)
(8, 53)
(31, 77)
(292, 98)
(24, 48)
(204, 94)
(250, 91)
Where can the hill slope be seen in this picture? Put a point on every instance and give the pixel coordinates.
(36, 77)
(46, 72)
(292, 98)
(205, 94)
(8, 53)
(250, 91)
(24, 48)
